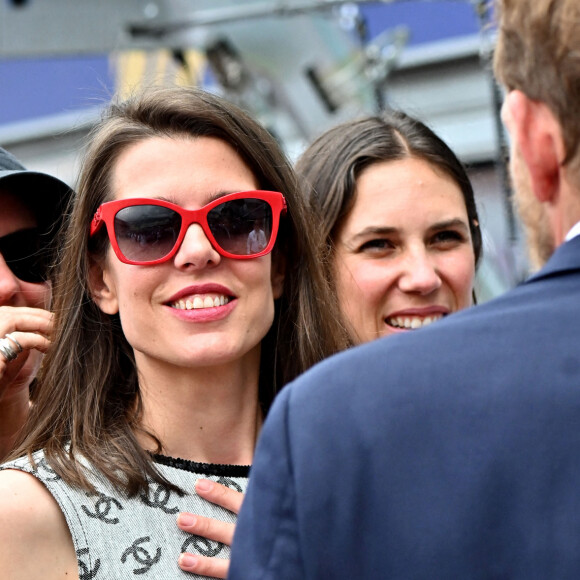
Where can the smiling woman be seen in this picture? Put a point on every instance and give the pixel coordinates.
(173, 333)
(400, 227)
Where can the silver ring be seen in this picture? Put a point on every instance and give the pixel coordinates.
(18, 345)
(7, 350)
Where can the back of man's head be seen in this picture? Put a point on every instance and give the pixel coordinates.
(538, 53)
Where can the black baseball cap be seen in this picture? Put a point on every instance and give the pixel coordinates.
(30, 253)
(44, 194)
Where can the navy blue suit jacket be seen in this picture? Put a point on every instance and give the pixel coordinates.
(452, 452)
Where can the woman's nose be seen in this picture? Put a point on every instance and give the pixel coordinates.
(9, 283)
(420, 274)
(196, 251)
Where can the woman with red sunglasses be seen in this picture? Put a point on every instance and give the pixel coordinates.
(173, 333)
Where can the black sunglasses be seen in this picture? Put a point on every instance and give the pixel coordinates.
(24, 255)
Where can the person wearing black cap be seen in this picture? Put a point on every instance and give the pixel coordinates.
(32, 207)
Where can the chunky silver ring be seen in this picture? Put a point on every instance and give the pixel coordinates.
(9, 336)
(7, 350)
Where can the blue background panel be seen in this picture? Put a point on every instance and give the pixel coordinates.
(31, 88)
(427, 21)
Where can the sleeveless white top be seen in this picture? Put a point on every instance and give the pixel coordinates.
(120, 537)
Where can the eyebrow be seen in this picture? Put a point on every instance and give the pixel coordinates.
(386, 231)
(456, 223)
(209, 199)
(223, 193)
(375, 231)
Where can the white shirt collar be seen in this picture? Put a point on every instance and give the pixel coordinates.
(575, 231)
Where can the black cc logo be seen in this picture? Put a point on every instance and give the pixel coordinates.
(141, 555)
(103, 506)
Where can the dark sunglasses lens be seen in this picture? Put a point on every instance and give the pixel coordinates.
(23, 254)
(146, 233)
(241, 226)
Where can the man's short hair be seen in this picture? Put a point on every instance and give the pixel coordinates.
(538, 53)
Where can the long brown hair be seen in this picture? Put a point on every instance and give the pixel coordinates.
(87, 401)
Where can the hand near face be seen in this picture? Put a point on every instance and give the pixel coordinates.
(31, 327)
(210, 528)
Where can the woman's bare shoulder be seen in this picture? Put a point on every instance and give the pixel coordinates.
(24, 496)
(33, 530)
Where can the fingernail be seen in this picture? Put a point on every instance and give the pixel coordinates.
(187, 561)
(186, 520)
(203, 484)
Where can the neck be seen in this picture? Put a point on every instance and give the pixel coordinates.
(209, 415)
(565, 212)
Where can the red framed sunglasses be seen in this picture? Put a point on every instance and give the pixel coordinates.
(144, 231)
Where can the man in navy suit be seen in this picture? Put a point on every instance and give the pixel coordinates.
(451, 452)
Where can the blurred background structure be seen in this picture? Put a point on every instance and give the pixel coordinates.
(300, 66)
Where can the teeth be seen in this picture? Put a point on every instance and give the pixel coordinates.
(198, 302)
(412, 322)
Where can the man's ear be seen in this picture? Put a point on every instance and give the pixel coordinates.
(102, 288)
(539, 138)
(278, 274)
